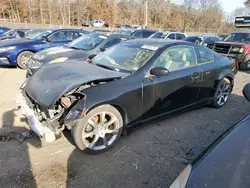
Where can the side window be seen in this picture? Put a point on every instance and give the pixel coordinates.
(207, 40)
(171, 36)
(204, 56)
(183, 36)
(179, 36)
(178, 57)
(59, 36)
(112, 42)
(75, 34)
(216, 39)
(138, 34)
(146, 34)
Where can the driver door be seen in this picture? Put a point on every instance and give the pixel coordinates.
(59, 38)
(178, 89)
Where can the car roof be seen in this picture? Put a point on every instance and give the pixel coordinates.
(155, 42)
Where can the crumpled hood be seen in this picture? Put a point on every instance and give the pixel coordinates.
(52, 81)
(47, 55)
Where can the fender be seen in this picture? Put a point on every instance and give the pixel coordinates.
(227, 73)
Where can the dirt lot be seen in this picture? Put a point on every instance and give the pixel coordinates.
(151, 156)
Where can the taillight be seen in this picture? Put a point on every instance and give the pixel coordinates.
(236, 64)
(182, 179)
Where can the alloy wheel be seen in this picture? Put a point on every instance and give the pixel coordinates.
(100, 131)
(25, 59)
(223, 93)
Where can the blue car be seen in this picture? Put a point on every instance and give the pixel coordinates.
(17, 52)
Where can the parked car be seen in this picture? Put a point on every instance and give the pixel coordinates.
(169, 35)
(141, 33)
(79, 49)
(16, 52)
(98, 23)
(125, 26)
(14, 33)
(203, 40)
(139, 27)
(86, 24)
(225, 163)
(134, 81)
(3, 30)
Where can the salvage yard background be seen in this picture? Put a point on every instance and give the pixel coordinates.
(151, 156)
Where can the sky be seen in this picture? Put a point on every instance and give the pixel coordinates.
(228, 5)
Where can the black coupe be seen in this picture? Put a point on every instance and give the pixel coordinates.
(133, 82)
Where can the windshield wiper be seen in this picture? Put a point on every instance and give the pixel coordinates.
(74, 47)
(107, 67)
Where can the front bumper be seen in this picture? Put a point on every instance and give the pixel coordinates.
(35, 125)
(5, 61)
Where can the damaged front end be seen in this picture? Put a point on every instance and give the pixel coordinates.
(48, 123)
(49, 97)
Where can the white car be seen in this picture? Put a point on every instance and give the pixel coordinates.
(169, 35)
(97, 23)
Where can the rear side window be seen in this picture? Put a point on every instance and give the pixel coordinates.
(171, 36)
(216, 39)
(146, 34)
(204, 56)
(179, 36)
(75, 34)
(112, 42)
(137, 34)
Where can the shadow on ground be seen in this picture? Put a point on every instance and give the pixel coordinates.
(154, 155)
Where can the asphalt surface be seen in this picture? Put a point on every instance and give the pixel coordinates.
(151, 156)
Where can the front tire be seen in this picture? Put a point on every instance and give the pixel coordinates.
(99, 130)
(23, 59)
(222, 93)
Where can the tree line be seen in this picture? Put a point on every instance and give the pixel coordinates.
(200, 15)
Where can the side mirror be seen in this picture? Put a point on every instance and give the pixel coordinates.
(46, 39)
(159, 71)
(102, 49)
(89, 60)
(246, 92)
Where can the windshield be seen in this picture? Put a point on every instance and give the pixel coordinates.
(38, 35)
(156, 35)
(87, 42)
(129, 57)
(238, 37)
(10, 32)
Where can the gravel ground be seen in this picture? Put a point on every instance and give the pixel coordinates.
(151, 156)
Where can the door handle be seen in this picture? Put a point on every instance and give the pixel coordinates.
(195, 75)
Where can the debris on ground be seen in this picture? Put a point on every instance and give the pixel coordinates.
(20, 136)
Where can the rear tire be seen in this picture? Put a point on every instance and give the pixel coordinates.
(23, 58)
(99, 130)
(222, 93)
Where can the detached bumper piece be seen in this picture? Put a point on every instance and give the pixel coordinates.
(35, 125)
